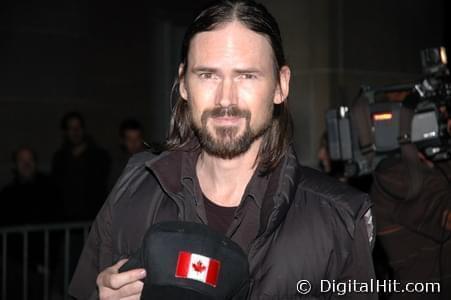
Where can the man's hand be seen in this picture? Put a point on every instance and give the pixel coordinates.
(114, 285)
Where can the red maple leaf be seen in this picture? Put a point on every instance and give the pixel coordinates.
(199, 267)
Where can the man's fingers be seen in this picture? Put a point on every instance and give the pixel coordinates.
(118, 280)
(133, 289)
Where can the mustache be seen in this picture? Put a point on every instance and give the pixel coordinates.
(229, 111)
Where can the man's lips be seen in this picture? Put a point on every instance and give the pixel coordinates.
(226, 120)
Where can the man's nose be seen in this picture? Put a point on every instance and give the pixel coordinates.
(226, 93)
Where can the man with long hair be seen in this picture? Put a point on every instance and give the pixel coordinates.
(230, 164)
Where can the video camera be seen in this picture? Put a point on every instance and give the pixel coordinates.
(372, 129)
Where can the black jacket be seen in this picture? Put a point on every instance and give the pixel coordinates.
(411, 231)
(311, 227)
(82, 181)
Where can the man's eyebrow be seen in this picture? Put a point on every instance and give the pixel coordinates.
(199, 69)
(247, 70)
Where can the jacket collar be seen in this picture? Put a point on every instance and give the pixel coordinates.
(273, 194)
(280, 193)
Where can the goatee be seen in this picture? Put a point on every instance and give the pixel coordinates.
(226, 143)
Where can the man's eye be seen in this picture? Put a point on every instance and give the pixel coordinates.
(248, 76)
(206, 75)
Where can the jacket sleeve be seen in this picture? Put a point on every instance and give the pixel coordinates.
(96, 256)
(359, 265)
(97, 253)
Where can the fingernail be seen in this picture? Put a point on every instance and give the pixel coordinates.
(142, 273)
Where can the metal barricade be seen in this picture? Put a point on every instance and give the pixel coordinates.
(52, 265)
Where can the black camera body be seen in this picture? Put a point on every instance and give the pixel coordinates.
(369, 131)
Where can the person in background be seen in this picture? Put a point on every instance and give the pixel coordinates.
(414, 228)
(131, 141)
(81, 170)
(131, 137)
(31, 196)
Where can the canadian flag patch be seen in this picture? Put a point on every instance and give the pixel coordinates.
(198, 267)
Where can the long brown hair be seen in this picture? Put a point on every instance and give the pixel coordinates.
(255, 17)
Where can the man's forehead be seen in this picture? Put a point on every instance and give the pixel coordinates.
(231, 43)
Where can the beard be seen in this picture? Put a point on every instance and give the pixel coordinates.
(226, 142)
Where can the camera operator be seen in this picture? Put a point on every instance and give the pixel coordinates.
(412, 197)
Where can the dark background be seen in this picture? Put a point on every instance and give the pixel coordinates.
(117, 59)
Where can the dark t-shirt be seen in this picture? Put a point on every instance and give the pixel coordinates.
(219, 217)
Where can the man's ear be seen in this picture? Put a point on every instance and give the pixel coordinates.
(182, 88)
(283, 86)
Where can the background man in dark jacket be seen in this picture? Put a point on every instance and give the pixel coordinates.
(31, 195)
(229, 164)
(81, 170)
(414, 228)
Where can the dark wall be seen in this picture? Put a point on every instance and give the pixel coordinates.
(380, 41)
(109, 61)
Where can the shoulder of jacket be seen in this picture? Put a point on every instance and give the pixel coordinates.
(132, 175)
(348, 204)
(327, 187)
(141, 158)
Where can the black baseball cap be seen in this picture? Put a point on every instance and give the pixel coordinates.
(186, 260)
